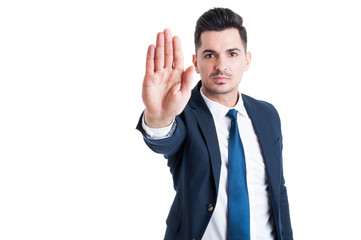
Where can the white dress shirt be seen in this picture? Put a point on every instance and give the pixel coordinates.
(261, 218)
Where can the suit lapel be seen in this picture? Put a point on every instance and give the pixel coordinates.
(267, 139)
(256, 120)
(206, 124)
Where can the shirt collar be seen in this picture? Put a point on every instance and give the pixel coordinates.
(219, 110)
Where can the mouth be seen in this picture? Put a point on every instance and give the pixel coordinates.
(220, 79)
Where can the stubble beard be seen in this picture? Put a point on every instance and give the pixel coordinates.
(214, 91)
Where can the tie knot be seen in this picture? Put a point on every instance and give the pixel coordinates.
(232, 114)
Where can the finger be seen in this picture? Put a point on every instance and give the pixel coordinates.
(177, 54)
(159, 52)
(149, 65)
(168, 49)
(187, 79)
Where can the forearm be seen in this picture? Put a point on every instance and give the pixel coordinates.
(159, 133)
(166, 146)
(285, 214)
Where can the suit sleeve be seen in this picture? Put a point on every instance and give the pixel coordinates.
(285, 214)
(167, 146)
(284, 209)
(284, 205)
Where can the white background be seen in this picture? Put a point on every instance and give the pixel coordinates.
(72, 165)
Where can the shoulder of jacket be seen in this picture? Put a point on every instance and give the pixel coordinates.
(258, 103)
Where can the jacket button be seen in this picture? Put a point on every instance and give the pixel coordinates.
(210, 207)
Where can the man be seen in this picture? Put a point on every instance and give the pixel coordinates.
(223, 148)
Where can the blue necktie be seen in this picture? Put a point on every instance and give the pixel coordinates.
(238, 203)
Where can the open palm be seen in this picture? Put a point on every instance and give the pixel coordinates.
(166, 86)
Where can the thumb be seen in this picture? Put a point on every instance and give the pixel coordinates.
(187, 79)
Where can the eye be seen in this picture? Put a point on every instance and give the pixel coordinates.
(233, 54)
(209, 55)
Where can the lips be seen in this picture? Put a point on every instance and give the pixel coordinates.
(220, 79)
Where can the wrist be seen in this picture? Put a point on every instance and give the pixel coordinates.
(157, 121)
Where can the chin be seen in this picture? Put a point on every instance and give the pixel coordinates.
(220, 89)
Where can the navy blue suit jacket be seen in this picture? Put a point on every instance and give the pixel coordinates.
(194, 160)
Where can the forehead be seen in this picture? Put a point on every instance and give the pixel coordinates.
(220, 41)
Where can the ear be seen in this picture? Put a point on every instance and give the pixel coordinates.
(195, 63)
(248, 60)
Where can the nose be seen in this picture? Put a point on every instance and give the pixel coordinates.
(221, 63)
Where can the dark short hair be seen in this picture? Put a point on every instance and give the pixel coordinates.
(218, 19)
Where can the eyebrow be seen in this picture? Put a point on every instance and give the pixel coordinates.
(228, 50)
(208, 51)
(234, 49)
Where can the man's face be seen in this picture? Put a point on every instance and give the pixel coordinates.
(221, 61)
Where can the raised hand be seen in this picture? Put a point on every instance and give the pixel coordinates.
(166, 86)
